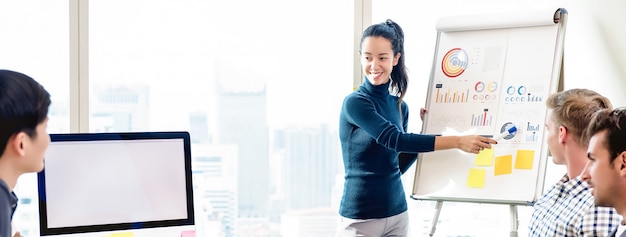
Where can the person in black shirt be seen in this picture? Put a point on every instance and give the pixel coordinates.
(24, 107)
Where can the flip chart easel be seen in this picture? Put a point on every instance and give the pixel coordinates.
(491, 72)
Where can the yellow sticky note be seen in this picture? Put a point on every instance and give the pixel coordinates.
(524, 159)
(504, 165)
(122, 234)
(484, 158)
(476, 178)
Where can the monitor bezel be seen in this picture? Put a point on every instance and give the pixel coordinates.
(112, 136)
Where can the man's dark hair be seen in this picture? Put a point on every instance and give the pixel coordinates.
(614, 122)
(23, 105)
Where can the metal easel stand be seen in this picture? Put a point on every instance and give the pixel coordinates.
(512, 208)
(514, 220)
(436, 217)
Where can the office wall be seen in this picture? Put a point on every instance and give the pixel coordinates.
(596, 48)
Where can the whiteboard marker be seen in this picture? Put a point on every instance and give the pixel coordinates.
(505, 133)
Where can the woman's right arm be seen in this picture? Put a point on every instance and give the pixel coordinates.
(467, 143)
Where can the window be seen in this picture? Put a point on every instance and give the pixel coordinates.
(35, 42)
(259, 89)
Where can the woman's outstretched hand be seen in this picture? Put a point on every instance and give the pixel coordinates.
(475, 143)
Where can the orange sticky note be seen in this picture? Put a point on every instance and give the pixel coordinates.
(484, 158)
(476, 178)
(504, 165)
(524, 159)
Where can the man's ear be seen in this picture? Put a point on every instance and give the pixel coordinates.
(17, 144)
(621, 159)
(563, 133)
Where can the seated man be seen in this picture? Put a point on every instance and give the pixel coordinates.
(567, 208)
(23, 137)
(605, 171)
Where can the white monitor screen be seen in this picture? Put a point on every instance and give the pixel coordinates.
(94, 182)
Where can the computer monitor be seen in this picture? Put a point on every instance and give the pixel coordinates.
(117, 184)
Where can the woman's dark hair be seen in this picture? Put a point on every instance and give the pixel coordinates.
(392, 32)
(23, 105)
(614, 122)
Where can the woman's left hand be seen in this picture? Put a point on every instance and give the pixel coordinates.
(422, 113)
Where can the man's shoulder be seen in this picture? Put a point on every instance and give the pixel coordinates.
(4, 189)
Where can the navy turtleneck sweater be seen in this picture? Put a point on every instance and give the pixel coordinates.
(376, 150)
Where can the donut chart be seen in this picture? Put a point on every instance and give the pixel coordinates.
(454, 62)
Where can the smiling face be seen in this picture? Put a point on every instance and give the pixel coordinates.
(602, 175)
(377, 59)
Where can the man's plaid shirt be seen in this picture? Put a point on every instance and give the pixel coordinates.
(568, 210)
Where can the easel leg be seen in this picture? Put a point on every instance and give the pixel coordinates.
(514, 220)
(436, 217)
